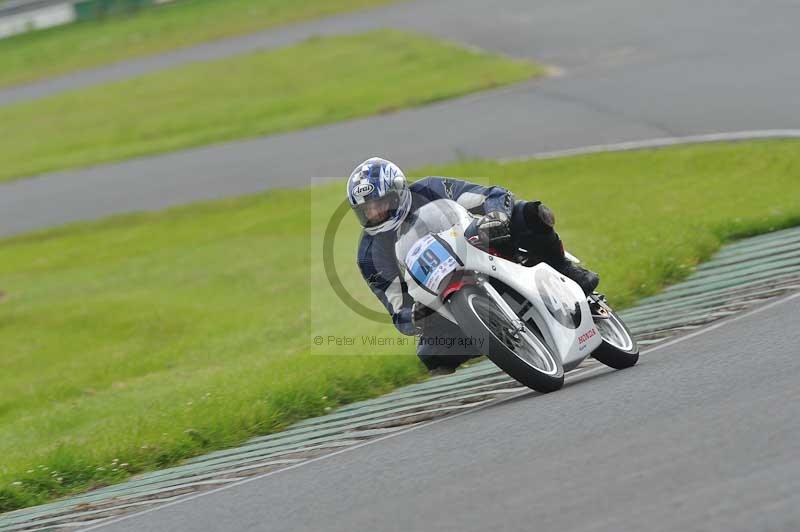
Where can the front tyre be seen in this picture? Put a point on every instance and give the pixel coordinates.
(619, 349)
(512, 347)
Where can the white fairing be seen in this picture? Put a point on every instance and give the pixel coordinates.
(557, 304)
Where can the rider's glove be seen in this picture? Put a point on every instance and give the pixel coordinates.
(494, 229)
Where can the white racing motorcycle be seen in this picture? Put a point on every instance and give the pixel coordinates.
(531, 321)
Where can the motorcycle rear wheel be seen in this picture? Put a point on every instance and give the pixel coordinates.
(619, 349)
(520, 353)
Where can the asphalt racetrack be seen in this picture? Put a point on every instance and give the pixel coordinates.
(626, 70)
(701, 435)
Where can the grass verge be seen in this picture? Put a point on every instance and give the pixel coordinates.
(130, 343)
(65, 49)
(319, 81)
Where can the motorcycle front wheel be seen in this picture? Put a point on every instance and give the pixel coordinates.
(513, 347)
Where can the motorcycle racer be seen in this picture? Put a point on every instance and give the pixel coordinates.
(382, 199)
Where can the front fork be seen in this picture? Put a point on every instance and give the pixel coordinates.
(517, 324)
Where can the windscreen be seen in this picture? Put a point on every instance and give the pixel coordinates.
(433, 217)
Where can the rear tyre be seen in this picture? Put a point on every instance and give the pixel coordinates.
(517, 351)
(619, 349)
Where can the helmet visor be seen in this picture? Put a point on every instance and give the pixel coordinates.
(377, 211)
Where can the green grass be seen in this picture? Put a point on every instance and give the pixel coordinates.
(316, 82)
(147, 338)
(66, 49)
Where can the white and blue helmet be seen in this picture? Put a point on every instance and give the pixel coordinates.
(378, 185)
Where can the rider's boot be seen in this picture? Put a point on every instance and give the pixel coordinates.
(586, 279)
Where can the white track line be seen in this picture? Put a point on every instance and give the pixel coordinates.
(663, 142)
(436, 421)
